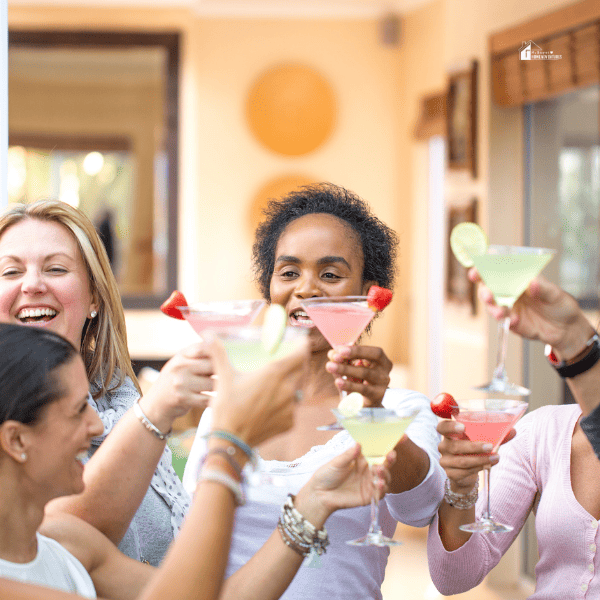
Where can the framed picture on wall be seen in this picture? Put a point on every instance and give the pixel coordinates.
(461, 119)
(458, 287)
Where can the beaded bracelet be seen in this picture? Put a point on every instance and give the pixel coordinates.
(229, 482)
(299, 534)
(461, 501)
(236, 441)
(147, 423)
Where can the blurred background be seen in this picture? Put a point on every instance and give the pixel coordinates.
(172, 122)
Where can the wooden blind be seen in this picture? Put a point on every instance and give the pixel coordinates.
(572, 33)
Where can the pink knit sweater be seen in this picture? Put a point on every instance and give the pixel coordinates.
(533, 473)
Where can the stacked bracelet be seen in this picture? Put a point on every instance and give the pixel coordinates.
(229, 482)
(227, 454)
(298, 533)
(461, 501)
(147, 423)
(236, 441)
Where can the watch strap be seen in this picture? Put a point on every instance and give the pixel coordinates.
(567, 370)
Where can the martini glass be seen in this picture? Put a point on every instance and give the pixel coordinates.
(507, 271)
(221, 315)
(246, 353)
(377, 430)
(341, 320)
(489, 420)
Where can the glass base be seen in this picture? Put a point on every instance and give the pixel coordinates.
(374, 539)
(486, 526)
(330, 427)
(500, 386)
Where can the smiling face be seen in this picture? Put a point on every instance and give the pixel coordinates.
(58, 441)
(43, 279)
(317, 255)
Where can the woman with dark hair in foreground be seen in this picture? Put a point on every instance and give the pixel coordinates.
(46, 427)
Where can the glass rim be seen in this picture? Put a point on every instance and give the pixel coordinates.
(334, 299)
(480, 404)
(379, 411)
(226, 307)
(508, 249)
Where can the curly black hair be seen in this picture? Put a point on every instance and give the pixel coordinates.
(379, 242)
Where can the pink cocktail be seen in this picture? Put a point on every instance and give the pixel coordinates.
(341, 319)
(340, 322)
(489, 420)
(486, 426)
(221, 315)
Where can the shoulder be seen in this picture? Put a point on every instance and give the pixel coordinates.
(83, 541)
(549, 420)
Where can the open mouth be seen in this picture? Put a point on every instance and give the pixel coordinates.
(36, 315)
(299, 318)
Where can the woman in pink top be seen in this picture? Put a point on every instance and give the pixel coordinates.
(550, 468)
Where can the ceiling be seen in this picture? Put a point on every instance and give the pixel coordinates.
(254, 8)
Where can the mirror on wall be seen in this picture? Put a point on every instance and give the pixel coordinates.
(93, 122)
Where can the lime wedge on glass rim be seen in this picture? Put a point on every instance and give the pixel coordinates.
(466, 241)
(351, 404)
(273, 328)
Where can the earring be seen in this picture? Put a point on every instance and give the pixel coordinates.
(93, 314)
(23, 456)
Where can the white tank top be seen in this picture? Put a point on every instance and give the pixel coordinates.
(53, 567)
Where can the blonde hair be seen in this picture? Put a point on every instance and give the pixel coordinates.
(104, 339)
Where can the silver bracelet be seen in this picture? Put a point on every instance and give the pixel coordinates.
(299, 534)
(461, 501)
(147, 423)
(235, 487)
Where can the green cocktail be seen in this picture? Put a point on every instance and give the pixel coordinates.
(377, 430)
(247, 352)
(507, 271)
(376, 436)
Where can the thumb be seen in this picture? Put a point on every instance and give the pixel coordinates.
(345, 459)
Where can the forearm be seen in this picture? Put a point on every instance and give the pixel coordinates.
(586, 388)
(411, 466)
(271, 570)
(449, 521)
(116, 479)
(195, 565)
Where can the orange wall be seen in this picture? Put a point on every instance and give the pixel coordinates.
(223, 166)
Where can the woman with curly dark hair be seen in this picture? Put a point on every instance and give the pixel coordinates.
(318, 241)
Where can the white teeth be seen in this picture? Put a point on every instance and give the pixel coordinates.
(82, 456)
(25, 313)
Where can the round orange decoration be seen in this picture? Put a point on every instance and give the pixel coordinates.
(291, 109)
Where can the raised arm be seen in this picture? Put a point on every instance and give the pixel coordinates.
(118, 474)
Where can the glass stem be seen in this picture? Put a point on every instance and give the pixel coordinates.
(486, 491)
(500, 370)
(374, 527)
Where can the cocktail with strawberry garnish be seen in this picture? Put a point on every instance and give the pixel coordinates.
(216, 315)
(486, 420)
(342, 320)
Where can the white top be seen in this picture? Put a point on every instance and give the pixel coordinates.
(347, 572)
(53, 567)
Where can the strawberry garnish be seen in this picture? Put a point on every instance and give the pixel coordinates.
(444, 406)
(169, 306)
(378, 298)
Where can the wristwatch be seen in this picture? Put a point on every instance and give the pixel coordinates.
(584, 361)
